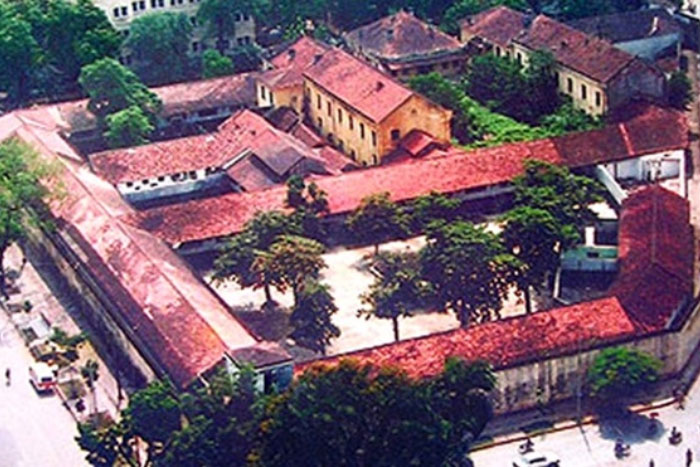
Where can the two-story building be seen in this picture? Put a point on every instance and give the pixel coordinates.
(598, 76)
(403, 46)
(364, 112)
(122, 12)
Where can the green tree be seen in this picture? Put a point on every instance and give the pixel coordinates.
(541, 86)
(555, 189)
(309, 203)
(160, 42)
(396, 291)
(311, 317)
(21, 171)
(107, 446)
(128, 127)
(498, 83)
(153, 414)
(377, 219)
(20, 54)
(568, 118)
(235, 261)
(291, 260)
(680, 90)
(214, 64)
(432, 207)
(537, 239)
(575, 9)
(112, 87)
(220, 17)
(466, 267)
(619, 372)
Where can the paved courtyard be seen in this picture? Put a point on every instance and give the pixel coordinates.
(348, 277)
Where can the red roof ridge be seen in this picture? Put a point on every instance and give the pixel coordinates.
(626, 138)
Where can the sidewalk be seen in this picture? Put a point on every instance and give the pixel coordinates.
(56, 310)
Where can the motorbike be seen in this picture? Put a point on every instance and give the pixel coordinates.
(526, 447)
(621, 449)
(676, 437)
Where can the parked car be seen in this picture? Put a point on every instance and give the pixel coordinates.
(537, 459)
(42, 377)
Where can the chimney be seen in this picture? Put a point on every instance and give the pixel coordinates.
(291, 53)
(317, 58)
(390, 33)
(380, 85)
(563, 44)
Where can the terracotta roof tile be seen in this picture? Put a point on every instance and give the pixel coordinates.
(401, 35)
(596, 58)
(291, 62)
(498, 25)
(502, 343)
(359, 85)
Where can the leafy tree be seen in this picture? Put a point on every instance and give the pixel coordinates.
(220, 17)
(291, 260)
(377, 219)
(568, 118)
(20, 54)
(236, 259)
(309, 203)
(497, 83)
(72, 34)
(575, 9)
(396, 291)
(541, 86)
(246, 57)
(153, 414)
(311, 317)
(160, 42)
(20, 173)
(620, 372)
(90, 373)
(112, 87)
(354, 414)
(214, 64)
(680, 90)
(107, 446)
(128, 127)
(535, 238)
(466, 267)
(428, 208)
(555, 189)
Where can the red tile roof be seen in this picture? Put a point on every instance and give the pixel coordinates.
(291, 62)
(357, 84)
(656, 256)
(401, 35)
(502, 343)
(179, 322)
(499, 25)
(458, 171)
(224, 215)
(243, 131)
(593, 57)
(232, 91)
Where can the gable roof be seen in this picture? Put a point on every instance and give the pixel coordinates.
(290, 63)
(447, 171)
(401, 35)
(176, 320)
(630, 25)
(596, 58)
(358, 84)
(499, 25)
(656, 256)
(243, 131)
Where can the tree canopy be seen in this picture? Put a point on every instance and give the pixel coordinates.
(128, 127)
(159, 42)
(620, 372)
(377, 219)
(214, 64)
(111, 87)
(680, 90)
(311, 316)
(20, 55)
(468, 269)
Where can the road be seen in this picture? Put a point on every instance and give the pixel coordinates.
(34, 430)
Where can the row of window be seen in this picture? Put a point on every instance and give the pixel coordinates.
(340, 144)
(199, 46)
(351, 120)
(584, 92)
(140, 5)
(444, 66)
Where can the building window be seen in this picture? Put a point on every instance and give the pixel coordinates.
(520, 58)
(195, 47)
(262, 92)
(570, 85)
(341, 145)
(320, 123)
(238, 17)
(328, 108)
(374, 138)
(362, 130)
(395, 134)
(340, 116)
(598, 99)
(353, 154)
(116, 12)
(498, 51)
(272, 97)
(375, 161)
(193, 20)
(583, 91)
(318, 102)
(351, 122)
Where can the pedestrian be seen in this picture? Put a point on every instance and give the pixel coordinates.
(7, 377)
(688, 457)
(651, 463)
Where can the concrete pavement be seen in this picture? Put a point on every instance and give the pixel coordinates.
(34, 430)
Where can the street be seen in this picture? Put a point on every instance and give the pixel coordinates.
(34, 430)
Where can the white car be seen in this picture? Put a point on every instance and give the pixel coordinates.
(537, 459)
(42, 378)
